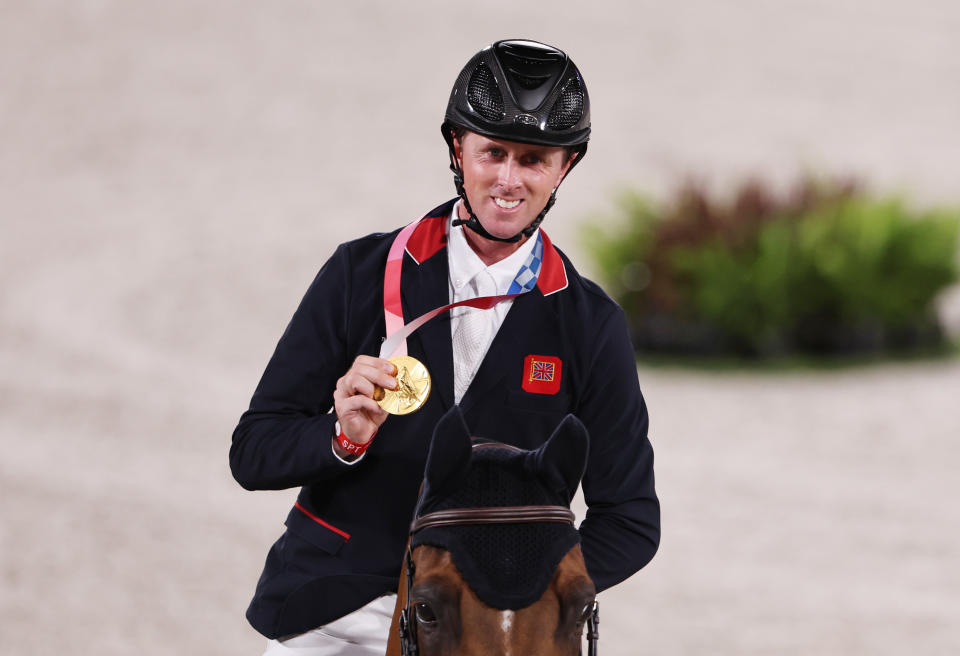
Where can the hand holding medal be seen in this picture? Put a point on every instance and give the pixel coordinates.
(359, 416)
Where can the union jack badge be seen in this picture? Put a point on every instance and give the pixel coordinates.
(541, 374)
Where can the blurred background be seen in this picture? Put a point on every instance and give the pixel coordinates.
(172, 175)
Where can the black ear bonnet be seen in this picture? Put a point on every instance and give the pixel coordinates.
(508, 566)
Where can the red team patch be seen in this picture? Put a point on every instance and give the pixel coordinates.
(541, 374)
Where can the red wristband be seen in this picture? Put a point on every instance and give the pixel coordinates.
(349, 445)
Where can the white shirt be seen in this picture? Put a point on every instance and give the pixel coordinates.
(470, 277)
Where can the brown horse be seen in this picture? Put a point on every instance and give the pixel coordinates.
(493, 565)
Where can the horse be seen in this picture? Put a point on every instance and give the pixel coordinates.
(493, 564)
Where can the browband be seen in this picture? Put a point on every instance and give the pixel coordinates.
(493, 515)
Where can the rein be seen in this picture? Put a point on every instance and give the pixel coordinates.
(475, 516)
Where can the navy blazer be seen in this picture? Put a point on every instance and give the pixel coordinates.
(345, 536)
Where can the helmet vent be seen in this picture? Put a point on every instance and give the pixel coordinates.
(483, 94)
(568, 110)
(529, 82)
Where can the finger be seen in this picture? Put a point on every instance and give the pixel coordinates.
(356, 384)
(353, 386)
(377, 363)
(348, 404)
(376, 376)
(339, 397)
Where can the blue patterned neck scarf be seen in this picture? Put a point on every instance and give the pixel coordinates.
(526, 278)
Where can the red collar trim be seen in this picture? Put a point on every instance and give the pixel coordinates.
(553, 274)
(431, 236)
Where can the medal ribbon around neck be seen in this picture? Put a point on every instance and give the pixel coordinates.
(413, 379)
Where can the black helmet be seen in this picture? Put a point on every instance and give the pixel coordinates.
(523, 91)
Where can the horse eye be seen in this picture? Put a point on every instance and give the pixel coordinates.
(424, 613)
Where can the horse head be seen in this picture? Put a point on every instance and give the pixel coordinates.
(494, 563)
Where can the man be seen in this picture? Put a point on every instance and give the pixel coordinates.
(517, 122)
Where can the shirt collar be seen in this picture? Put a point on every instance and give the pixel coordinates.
(465, 263)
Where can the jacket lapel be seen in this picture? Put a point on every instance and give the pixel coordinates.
(424, 288)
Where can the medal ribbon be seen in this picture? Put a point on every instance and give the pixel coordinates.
(397, 331)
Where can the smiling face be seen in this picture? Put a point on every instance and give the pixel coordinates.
(508, 183)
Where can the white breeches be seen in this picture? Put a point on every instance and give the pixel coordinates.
(363, 632)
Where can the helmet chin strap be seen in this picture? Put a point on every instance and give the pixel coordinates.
(474, 223)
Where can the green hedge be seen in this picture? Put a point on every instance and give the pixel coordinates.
(825, 268)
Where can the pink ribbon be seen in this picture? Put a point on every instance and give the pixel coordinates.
(392, 306)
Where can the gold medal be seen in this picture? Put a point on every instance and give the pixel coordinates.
(413, 387)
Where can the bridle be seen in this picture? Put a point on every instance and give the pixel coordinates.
(475, 516)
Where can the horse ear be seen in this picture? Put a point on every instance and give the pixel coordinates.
(562, 460)
(450, 450)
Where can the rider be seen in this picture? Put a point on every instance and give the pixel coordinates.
(517, 122)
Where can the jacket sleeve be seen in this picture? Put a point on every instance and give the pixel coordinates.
(284, 439)
(621, 530)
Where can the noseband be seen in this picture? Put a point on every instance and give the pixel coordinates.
(474, 516)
